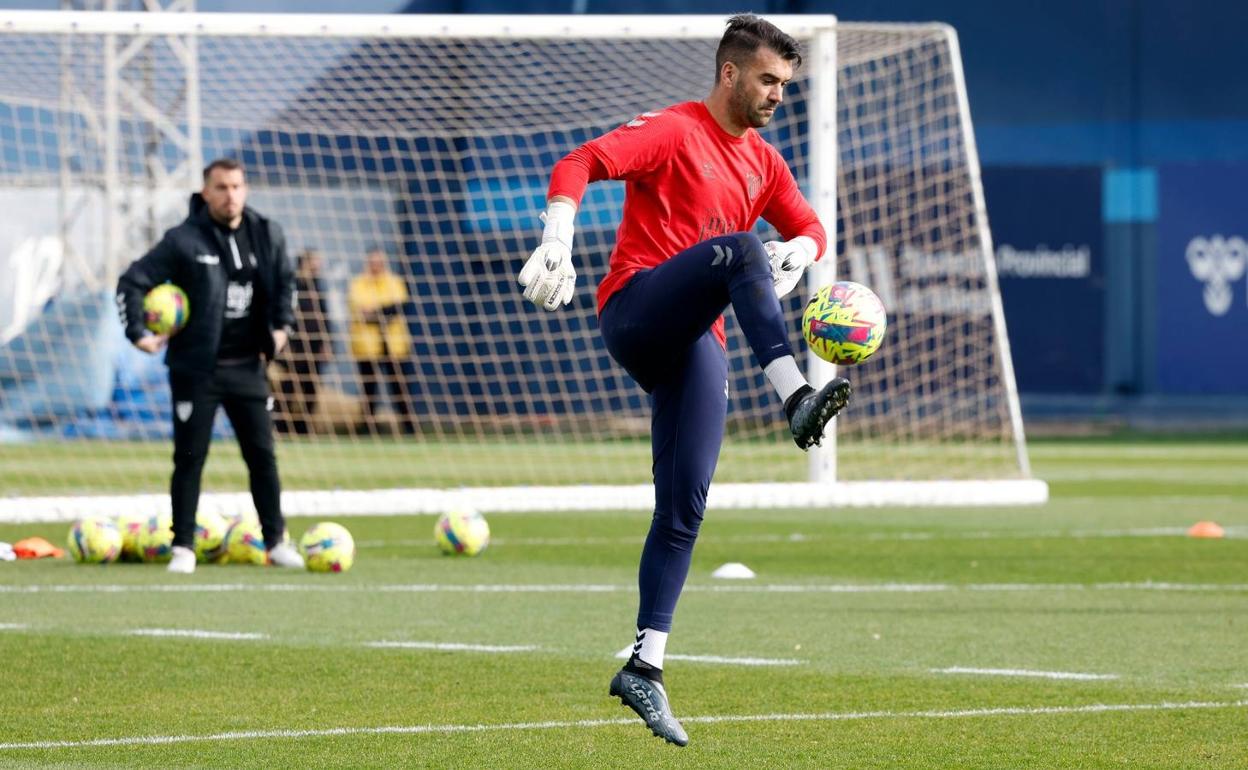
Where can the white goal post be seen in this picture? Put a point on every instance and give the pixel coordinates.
(431, 138)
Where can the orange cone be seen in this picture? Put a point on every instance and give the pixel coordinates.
(1205, 529)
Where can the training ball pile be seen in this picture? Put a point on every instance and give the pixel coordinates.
(462, 533)
(166, 309)
(327, 547)
(844, 323)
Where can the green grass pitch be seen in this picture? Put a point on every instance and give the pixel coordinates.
(859, 612)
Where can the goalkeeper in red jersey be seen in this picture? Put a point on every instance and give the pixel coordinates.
(698, 178)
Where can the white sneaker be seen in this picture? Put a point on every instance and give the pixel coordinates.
(183, 561)
(285, 555)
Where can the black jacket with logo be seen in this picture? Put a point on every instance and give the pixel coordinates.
(196, 256)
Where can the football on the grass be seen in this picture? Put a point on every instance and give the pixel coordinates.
(462, 533)
(327, 547)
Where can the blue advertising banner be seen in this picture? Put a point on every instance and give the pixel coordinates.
(1048, 233)
(1202, 294)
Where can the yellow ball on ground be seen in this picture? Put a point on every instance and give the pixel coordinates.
(461, 533)
(328, 547)
(94, 540)
(210, 529)
(244, 543)
(155, 539)
(130, 525)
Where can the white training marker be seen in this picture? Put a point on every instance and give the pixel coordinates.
(733, 570)
(453, 646)
(1022, 672)
(627, 652)
(189, 633)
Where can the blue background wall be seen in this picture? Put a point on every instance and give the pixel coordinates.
(1117, 128)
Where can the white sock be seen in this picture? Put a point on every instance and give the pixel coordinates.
(785, 377)
(650, 646)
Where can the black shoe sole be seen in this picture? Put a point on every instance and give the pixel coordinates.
(828, 409)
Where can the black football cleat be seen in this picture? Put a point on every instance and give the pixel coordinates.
(813, 409)
(648, 699)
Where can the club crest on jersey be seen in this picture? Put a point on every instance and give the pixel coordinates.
(708, 170)
(753, 185)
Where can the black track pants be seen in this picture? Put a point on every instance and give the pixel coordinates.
(244, 392)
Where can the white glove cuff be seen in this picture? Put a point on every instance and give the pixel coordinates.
(558, 218)
(808, 248)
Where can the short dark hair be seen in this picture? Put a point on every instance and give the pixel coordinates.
(747, 33)
(228, 164)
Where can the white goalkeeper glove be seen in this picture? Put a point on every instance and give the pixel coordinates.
(548, 278)
(789, 259)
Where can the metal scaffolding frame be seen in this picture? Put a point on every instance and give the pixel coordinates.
(108, 97)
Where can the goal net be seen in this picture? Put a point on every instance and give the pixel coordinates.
(431, 139)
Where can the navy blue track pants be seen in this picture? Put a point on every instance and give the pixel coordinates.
(658, 327)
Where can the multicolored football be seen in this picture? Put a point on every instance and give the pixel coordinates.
(327, 547)
(210, 530)
(155, 540)
(166, 309)
(244, 543)
(95, 540)
(461, 533)
(131, 525)
(844, 323)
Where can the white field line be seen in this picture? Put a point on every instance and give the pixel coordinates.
(13, 626)
(1022, 672)
(190, 633)
(539, 588)
(1222, 452)
(625, 653)
(1180, 475)
(719, 659)
(1145, 501)
(453, 646)
(795, 537)
(161, 740)
(499, 541)
(1231, 532)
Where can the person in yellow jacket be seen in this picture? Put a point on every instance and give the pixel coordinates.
(380, 341)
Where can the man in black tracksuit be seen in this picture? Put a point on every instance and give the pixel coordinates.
(232, 264)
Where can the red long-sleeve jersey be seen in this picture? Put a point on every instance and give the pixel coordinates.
(687, 180)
